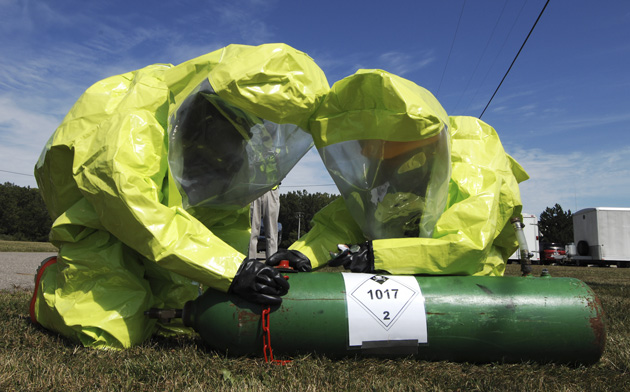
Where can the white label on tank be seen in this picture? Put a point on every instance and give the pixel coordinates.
(384, 308)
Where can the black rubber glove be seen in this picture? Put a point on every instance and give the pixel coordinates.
(259, 283)
(356, 258)
(297, 260)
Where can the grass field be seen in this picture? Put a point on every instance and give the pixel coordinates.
(24, 246)
(36, 360)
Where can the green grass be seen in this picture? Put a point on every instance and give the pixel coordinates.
(34, 359)
(25, 246)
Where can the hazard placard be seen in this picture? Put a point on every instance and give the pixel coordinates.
(384, 308)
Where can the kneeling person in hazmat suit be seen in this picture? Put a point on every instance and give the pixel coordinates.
(148, 181)
(422, 193)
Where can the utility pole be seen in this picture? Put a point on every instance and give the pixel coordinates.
(299, 215)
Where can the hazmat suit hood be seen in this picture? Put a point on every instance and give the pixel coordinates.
(385, 143)
(239, 132)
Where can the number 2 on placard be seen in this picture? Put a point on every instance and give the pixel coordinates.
(386, 313)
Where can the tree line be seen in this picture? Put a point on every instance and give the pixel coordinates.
(296, 212)
(297, 209)
(23, 216)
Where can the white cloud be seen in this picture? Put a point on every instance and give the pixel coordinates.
(403, 63)
(22, 128)
(177, 53)
(593, 121)
(23, 135)
(340, 65)
(575, 180)
(246, 17)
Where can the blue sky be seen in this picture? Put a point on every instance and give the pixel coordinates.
(563, 111)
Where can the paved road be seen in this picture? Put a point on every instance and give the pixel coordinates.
(17, 269)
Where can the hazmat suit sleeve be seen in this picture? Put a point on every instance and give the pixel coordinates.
(332, 225)
(473, 235)
(116, 132)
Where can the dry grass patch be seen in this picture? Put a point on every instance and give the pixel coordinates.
(25, 246)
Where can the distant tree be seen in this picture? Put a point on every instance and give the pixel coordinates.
(306, 205)
(23, 215)
(8, 209)
(556, 225)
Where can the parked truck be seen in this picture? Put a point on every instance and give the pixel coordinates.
(532, 235)
(601, 236)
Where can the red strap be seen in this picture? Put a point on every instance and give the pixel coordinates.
(267, 339)
(40, 272)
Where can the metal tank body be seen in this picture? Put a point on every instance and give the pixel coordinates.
(466, 318)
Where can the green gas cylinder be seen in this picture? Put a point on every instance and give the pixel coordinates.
(458, 318)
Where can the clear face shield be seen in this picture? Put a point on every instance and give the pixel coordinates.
(223, 157)
(392, 189)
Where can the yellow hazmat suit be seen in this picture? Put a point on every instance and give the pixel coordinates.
(134, 227)
(462, 224)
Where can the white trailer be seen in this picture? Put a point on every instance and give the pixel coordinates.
(532, 235)
(601, 236)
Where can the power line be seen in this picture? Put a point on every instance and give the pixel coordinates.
(12, 172)
(509, 34)
(451, 49)
(482, 53)
(513, 61)
(284, 186)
